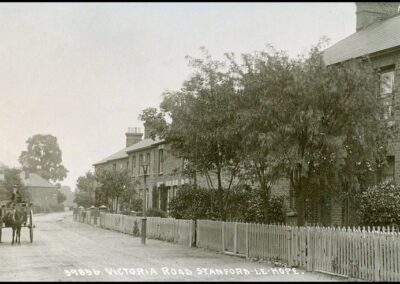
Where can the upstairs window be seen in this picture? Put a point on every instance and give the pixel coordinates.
(140, 163)
(386, 92)
(133, 163)
(160, 161)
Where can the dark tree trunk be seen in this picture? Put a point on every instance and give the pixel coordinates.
(222, 212)
(300, 207)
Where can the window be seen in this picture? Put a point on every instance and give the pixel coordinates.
(140, 163)
(160, 161)
(127, 164)
(386, 92)
(388, 171)
(114, 166)
(133, 163)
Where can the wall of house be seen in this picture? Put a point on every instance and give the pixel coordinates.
(169, 174)
(381, 62)
(44, 197)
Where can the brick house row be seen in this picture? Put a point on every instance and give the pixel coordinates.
(164, 173)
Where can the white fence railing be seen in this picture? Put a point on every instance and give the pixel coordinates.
(367, 254)
(371, 254)
(165, 229)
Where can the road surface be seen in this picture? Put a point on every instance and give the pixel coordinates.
(64, 250)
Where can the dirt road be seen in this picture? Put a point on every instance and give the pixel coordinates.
(70, 251)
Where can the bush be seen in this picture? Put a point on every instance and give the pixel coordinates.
(379, 205)
(192, 203)
(276, 212)
(155, 212)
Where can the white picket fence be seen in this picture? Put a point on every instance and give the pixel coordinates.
(371, 254)
(165, 229)
(367, 254)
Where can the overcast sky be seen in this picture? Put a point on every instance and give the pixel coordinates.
(83, 72)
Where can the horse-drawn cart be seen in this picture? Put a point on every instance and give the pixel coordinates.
(7, 217)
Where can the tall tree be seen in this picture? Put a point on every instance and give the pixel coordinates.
(201, 129)
(85, 190)
(330, 125)
(43, 157)
(113, 185)
(262, 78)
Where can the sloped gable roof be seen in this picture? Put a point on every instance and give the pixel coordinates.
(33, 180)
(124, 152)
(377, 37)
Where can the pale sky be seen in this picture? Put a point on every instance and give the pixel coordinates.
(84, 71)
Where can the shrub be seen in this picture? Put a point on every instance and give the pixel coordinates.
(276, 212)
(192, 203)
(379, 205)
(155, 212)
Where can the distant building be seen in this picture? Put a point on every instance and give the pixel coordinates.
(42, 192)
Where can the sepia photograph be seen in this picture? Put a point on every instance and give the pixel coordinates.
(200, 142)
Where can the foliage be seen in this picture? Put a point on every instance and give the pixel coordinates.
(43, 157)
(61, 197)
(155, 212)
(276, 211)
(114, 187)
(243, 202)
(192, 203)
(270, 117)
(199, 131)
(379, 205)
(85, 190)
(12, 180)
(260, 78)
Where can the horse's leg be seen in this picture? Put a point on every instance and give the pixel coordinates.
(13, 233)
(19, 235)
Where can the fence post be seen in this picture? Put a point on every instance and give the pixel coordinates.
(235, 239)
(289, 239)
(198, 233)
(191, 227)
(309, 251)
(247, 240)
(223, 235)
(377, 258)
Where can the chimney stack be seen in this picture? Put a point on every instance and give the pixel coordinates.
(133, 136)
(372, 12)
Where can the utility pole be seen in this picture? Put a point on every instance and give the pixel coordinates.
(145, 167)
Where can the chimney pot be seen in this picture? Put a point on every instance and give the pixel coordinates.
(371, 12)
(133, 136)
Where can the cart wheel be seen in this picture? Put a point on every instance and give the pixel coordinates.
(30, 227)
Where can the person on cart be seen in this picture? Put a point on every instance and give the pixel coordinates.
(16, 196)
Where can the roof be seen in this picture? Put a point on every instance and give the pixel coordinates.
(377, 37)
(33, 180)
(145, 143)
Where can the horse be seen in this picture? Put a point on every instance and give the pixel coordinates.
(17, 219)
